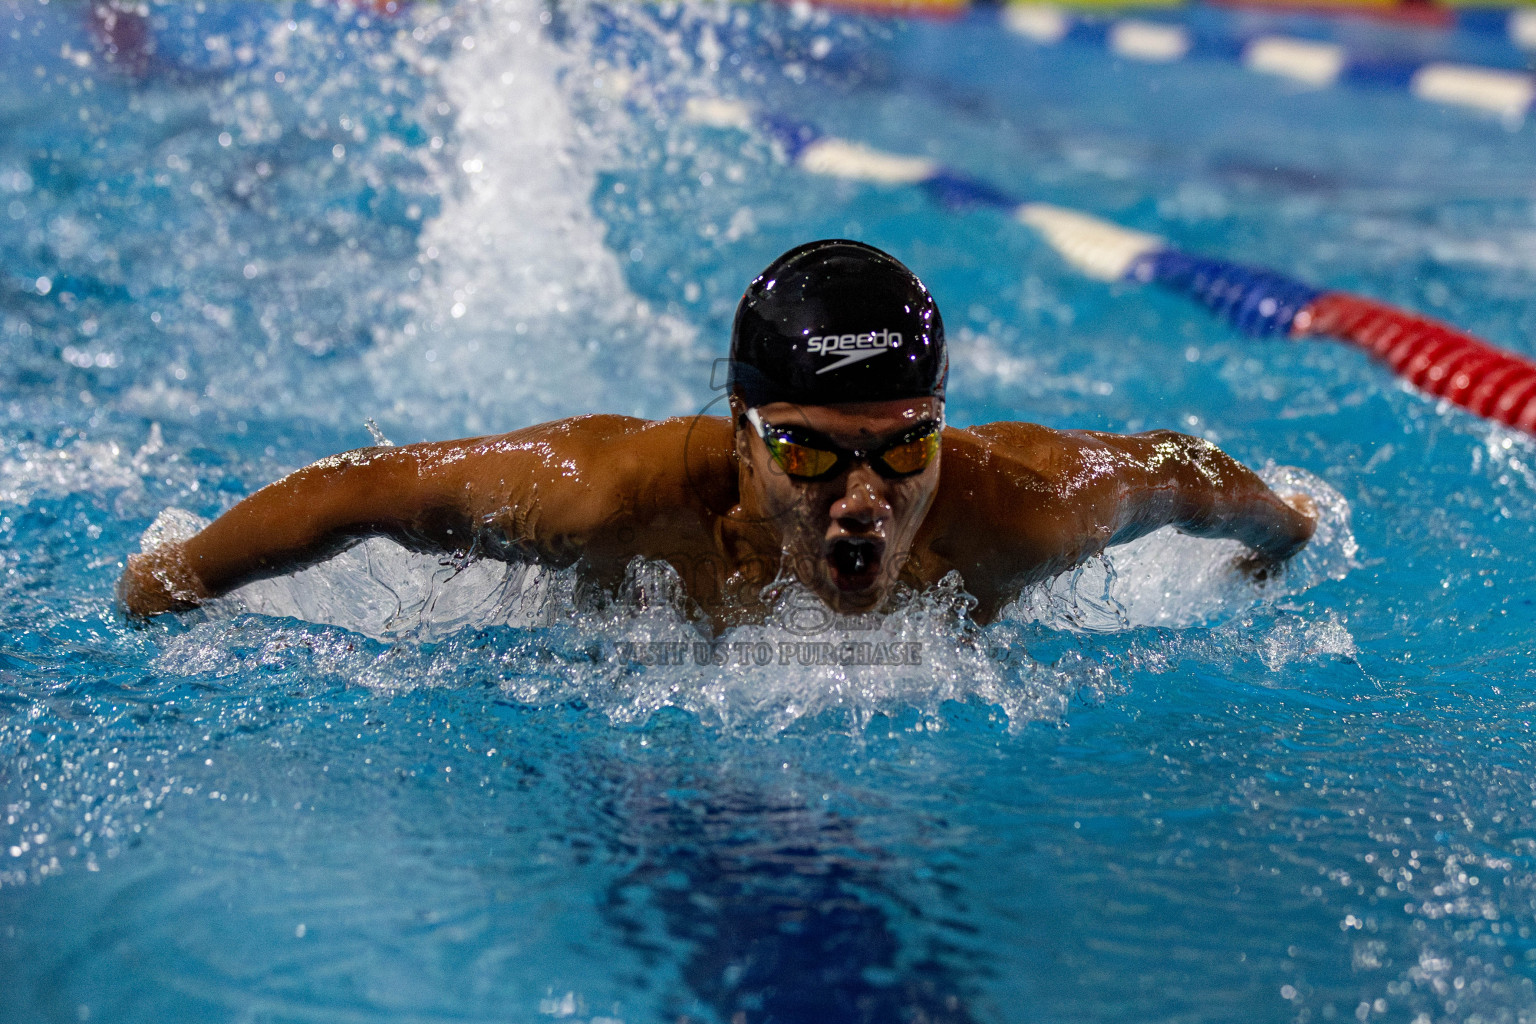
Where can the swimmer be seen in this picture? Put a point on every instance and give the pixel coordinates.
(834, 467)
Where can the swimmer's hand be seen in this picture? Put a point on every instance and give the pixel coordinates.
(1261, 565)
(1303, 503)
(159, 581)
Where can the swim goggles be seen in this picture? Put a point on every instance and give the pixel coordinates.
(807, 455)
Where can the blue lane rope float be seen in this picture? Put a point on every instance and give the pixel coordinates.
(1508, 92)
(1434, 357)
(1255, 301)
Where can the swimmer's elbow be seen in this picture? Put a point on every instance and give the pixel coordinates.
(1197, 488)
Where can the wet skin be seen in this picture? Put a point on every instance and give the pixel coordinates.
(1005, 505)
(848, 537)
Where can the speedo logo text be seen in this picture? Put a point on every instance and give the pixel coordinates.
(852, 347)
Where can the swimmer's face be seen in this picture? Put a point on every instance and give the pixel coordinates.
(848, 533)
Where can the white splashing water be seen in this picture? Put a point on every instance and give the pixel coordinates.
(639, 652)
(519, 287)
(30, 471)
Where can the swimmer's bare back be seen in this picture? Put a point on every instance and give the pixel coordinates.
(1016, 503)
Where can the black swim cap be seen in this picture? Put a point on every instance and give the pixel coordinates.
(837, 321)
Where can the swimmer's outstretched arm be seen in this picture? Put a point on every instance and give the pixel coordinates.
(1025, 502)
(543, 493)
(299, 520)
(1134, 484)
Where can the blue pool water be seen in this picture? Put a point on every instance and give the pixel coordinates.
(398, 790)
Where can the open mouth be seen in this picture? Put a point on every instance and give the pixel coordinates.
(855, 562)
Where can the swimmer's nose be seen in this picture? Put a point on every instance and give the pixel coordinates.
(863, 506)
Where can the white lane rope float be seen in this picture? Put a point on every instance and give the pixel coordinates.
(1506, 92)
(1434, 357)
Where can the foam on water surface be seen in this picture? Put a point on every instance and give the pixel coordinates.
(519, 286)
(637, 651)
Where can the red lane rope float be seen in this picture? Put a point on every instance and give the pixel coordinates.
(1435, 358)
(1411, 12)
(1432, 356)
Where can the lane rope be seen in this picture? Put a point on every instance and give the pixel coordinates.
(1506, 92)
(1436, 358)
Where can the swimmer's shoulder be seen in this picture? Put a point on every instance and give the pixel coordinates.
(1010, 487)
(1012, 453)
(622, 461)
(610, 442)
(1001, 517)
(683, 462)
(992, 476)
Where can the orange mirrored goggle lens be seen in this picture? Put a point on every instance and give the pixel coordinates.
(912, 456)
(800, 459)
(809, 462)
